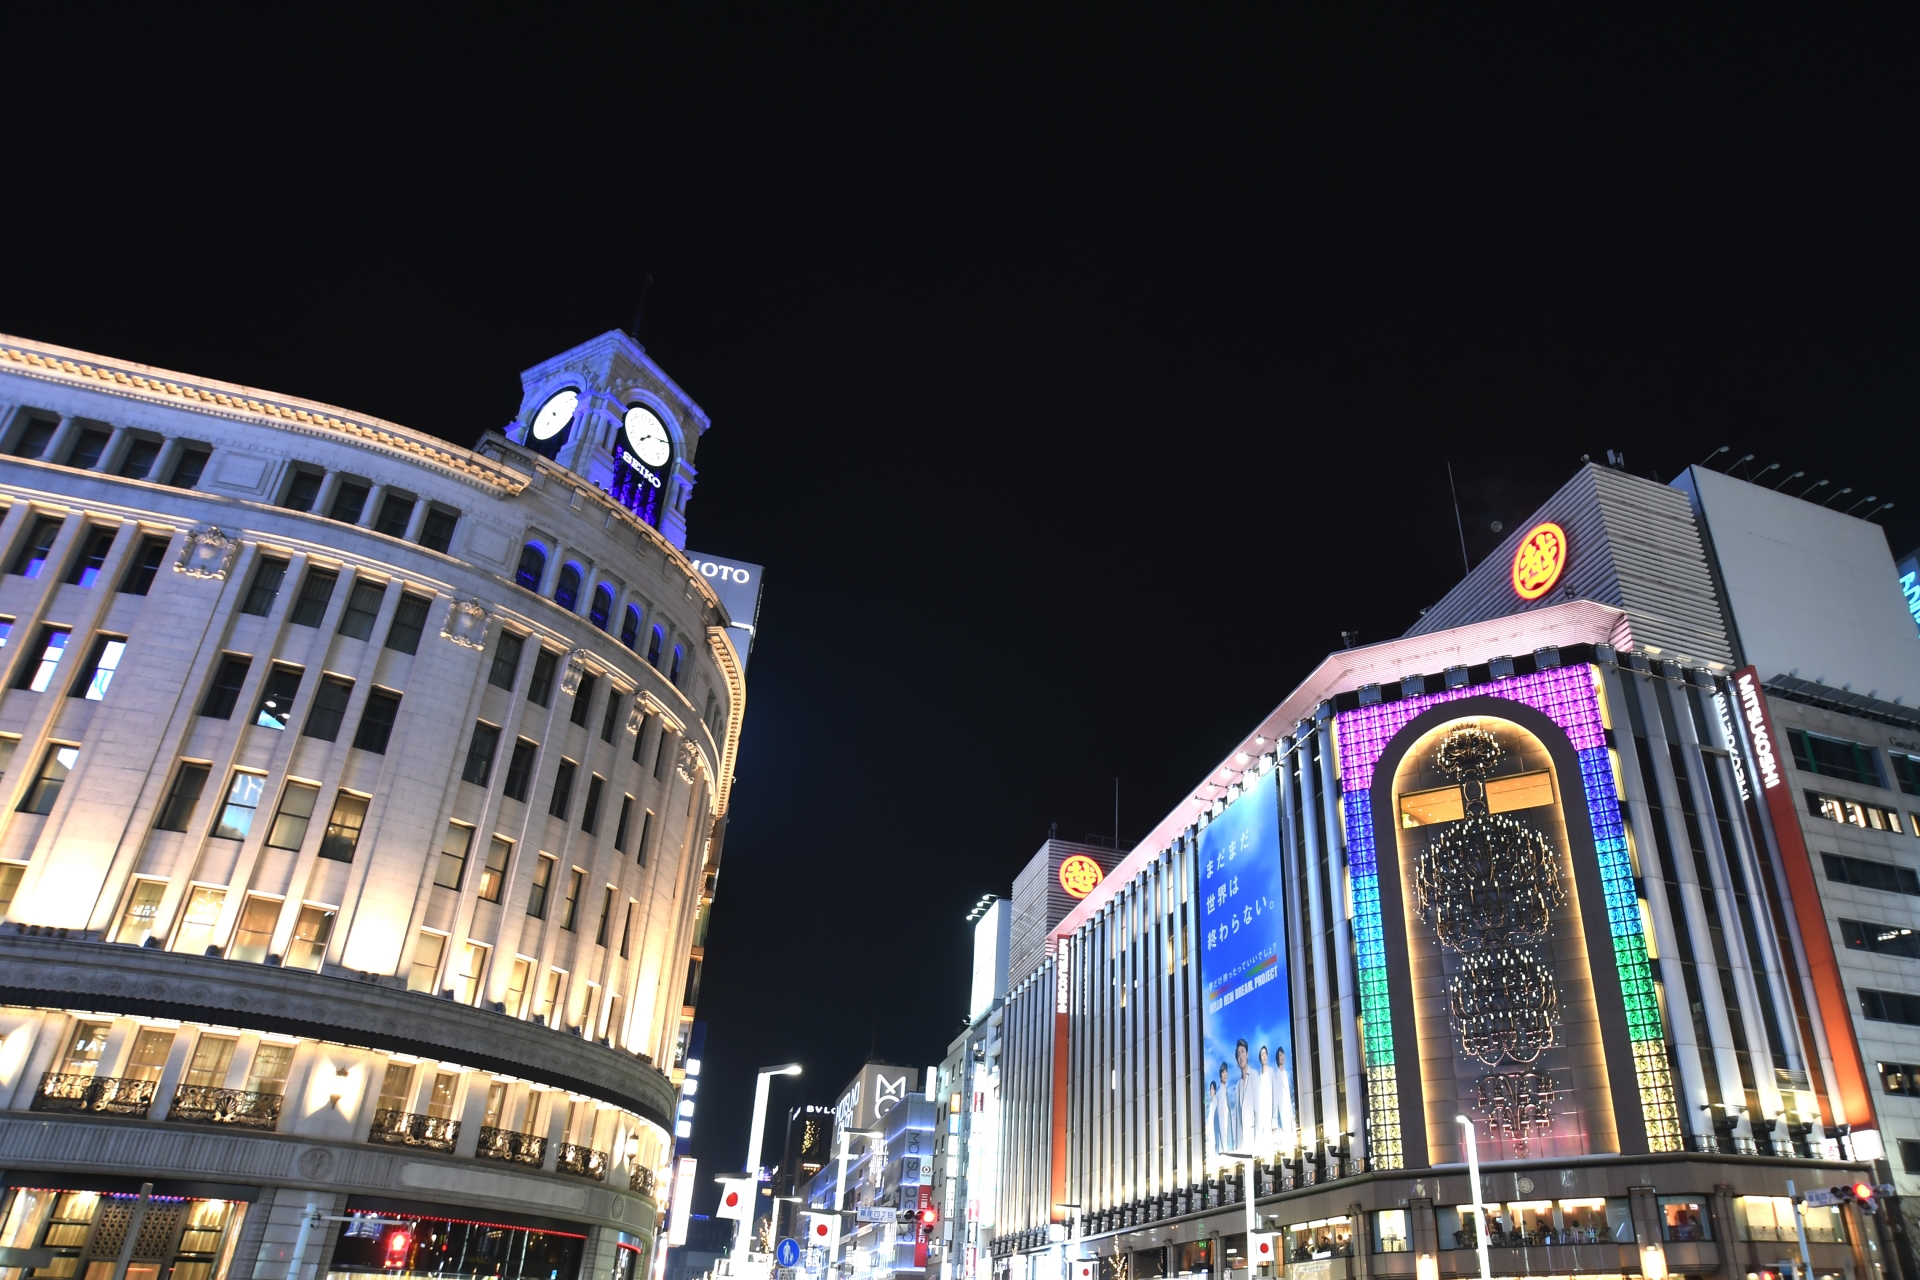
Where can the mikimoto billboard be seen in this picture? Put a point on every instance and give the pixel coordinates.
(737, 583)
(1248, 1018)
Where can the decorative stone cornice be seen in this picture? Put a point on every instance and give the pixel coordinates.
(108, 978)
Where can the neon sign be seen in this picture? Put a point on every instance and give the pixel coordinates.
(1539, 560)
(1079, 874)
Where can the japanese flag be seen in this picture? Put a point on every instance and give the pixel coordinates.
(1263, 1248)
(1085, 1268)
(823, 1229)
(736, 1198)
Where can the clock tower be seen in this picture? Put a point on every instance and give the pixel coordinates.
(606, 412)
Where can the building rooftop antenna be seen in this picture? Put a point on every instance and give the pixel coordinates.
(1465, 564)
(640, 311)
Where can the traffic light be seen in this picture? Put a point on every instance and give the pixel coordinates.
(399, 1245)
(929, 1216)
(1863, 1192)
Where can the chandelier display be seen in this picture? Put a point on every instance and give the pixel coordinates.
(1517, 1104)
(1504, 1005)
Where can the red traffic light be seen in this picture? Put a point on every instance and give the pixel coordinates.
(1863, 1191)
(929, 1216)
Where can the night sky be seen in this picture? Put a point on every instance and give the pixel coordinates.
(1077, 387)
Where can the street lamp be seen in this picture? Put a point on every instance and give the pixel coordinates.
(1479, 1211)
(744, 1229)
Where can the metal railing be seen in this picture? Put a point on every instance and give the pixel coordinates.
(514, 1148)
(640, 1179)
(411, 1129)
(240, 1108)
(583, 1161)
(113, 1095)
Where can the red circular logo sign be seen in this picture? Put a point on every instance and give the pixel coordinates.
(733, 1198)
(1079, 874)
(1539, 560)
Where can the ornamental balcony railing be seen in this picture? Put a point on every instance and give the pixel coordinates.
(411, 1129)
(238, 1108)
(111, 1095)
(640, 1179)
(583, 1161)
(514, 1148)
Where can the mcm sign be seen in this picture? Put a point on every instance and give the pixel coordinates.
(890, 1094)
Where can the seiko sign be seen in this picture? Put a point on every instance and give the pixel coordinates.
(1756, 718)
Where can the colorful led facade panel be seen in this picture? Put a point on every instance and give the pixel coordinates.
(1568, 697)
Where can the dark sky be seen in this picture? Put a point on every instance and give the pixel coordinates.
(1078, 387)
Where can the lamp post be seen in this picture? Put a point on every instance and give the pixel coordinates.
(1253, 1214)
(743, 1232)
(1479, 1213)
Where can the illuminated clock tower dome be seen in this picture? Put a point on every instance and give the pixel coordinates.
(606, 411)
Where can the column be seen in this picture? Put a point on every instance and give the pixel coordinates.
(116, 445)
(62, 438)
(371, 511)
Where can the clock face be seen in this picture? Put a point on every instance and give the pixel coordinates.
(555, 414)
(647, 437)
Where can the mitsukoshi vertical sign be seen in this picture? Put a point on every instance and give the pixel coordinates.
(1248, 1021)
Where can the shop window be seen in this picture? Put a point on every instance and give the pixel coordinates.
(211, 1058)
(176, 813)
(277, 693)
(207, 1245)
(1834, 758)
(72, 1216)
(141, 454)
(342, 836)
(311, 933)
(254, 933)
(454, 847)
(37, 673)
(427, 950)
(1769, 1219)
(363, 608)
(533, 566)
(289, 830)
(1684, 1218)
(195, 935)
(436, 533)
(566, 593)
(226, 687)
(33, 555)
(409, 622)
(310, 610)
(267, 580)
(494, 875)
(243, 798)
(45, 789)
(329, 709)
(447, 1247)
(144, 564)
(191, 466)
(143, 907)
(1390, 1232)
(95, 546)
(506, 660)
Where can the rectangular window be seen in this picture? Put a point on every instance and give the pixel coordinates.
(570, 909)
(145, 563)
(611, 720)
(1902, 1078)
(540, 688)
(454, 848)
(427, 951)
(92, 681)
(606, 918)
(660, 753)
(226, 687)
(211, 1058)
(143, 907)
(95, 545)
(1868, 817)
(436, 534)
(54, 768)
(376, 722)
(396, 512)
(33, 556)
(243, 799)
(88, 448)
(195, 933)
(329, 708)
(9, 743)
(646, 830)
(409, 621)
(396, 1087)
(1910, 1155)
(590, 816)
(150, 1050)
(84, 1050)
(493, 876)
(1833, 758)
(480, 749)
(537, 893)
(254, 934)
(37, 674)
(626, 930)
(276, 697)
(620, 827)
(1906, 771)
(267, 581)
(343, 827)
(551, 1007)
(267, 1074)
(363, 606)
(290, 824)
(310, 610)
(176, 814)
(141, 453)
(506, 660)
(311, 933)
(187, 471)
(1868, 874)
(302, 490)
(469, 978)
(583, 700)
(516, 1001)
(34, 440)
(520, 769)
(1882, 939)
(640, 738)
(562, 797)
(1890, 1006)
(349, 500)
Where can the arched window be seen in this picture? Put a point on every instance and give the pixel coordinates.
(533, 563)
(630, 628)
(602, 606)
(674, 675)
(653, 647)
(567, 593)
